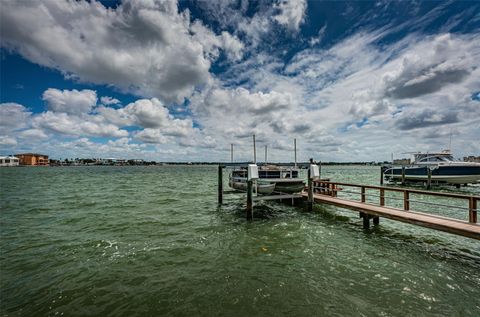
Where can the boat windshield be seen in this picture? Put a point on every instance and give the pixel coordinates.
(437, 158)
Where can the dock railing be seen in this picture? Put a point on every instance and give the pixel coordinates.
(334, 188)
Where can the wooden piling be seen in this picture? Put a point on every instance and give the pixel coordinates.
(429, 178)
(366, 221)
(376, 220)
(310, 191)
(249, 199)
(403, 175)
(381, 174)
(363, 193)
(220, 184)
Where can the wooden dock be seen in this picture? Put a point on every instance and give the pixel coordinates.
(450, 225)
(326, 192)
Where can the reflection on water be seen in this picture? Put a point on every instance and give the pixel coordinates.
(134, 241)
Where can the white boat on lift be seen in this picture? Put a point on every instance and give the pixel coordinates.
(444, 169)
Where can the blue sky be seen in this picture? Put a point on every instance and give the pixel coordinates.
(182, 81)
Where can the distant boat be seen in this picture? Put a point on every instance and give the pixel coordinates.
(9, 161)
(444, 169)
(272, 178)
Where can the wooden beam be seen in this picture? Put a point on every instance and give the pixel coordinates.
(220, 184)
(310, 191)
(381, 174)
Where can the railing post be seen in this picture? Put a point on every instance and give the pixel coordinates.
(406, 200)
(382, 197)
(310, 191)
(332, 192)
(472, 214)
(363, 194)
(429, 178)
(249, 199)
(403, 175)
(220, 184)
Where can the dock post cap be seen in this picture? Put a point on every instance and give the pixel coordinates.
(314, 171)
(252, 172)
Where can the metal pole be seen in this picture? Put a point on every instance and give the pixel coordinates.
(220, 184)
(250, 200)
(231, 153)
(295, 149)
(265, 155)
(254, 151)
(403, 175)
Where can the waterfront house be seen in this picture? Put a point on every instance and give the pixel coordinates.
(33, 159)
(9, 161)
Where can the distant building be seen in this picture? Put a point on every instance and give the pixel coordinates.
(9, 161)
(33, 159)
(403, 161)
(471, 158)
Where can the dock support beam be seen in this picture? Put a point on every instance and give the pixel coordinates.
(310, 191)
(381, 174)
(220, 184)
(429, 178)
(249, 200)
(376, 220)
(366, 220)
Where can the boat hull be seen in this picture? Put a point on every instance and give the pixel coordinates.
(290, 187)
(443, 174)
(262, 189)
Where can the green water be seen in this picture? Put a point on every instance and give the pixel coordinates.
(151, 241)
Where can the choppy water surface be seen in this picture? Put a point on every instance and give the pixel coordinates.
(133, 241)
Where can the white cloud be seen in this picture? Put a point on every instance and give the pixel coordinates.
(292, 13)
(106, 100)
(63, 123)
(70, 101)
(145, 48)
(13, 116)
(7, 141)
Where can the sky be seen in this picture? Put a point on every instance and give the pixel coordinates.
(182, 81)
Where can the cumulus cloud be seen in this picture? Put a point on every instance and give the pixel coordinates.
(63, 123)
(13, 116)
(425, 118)
(106, 100)
(148, 48)
(431, 66)
(70, 101)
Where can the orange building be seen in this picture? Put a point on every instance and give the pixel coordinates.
(33, 159)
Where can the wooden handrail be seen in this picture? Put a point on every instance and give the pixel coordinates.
(412, 191)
